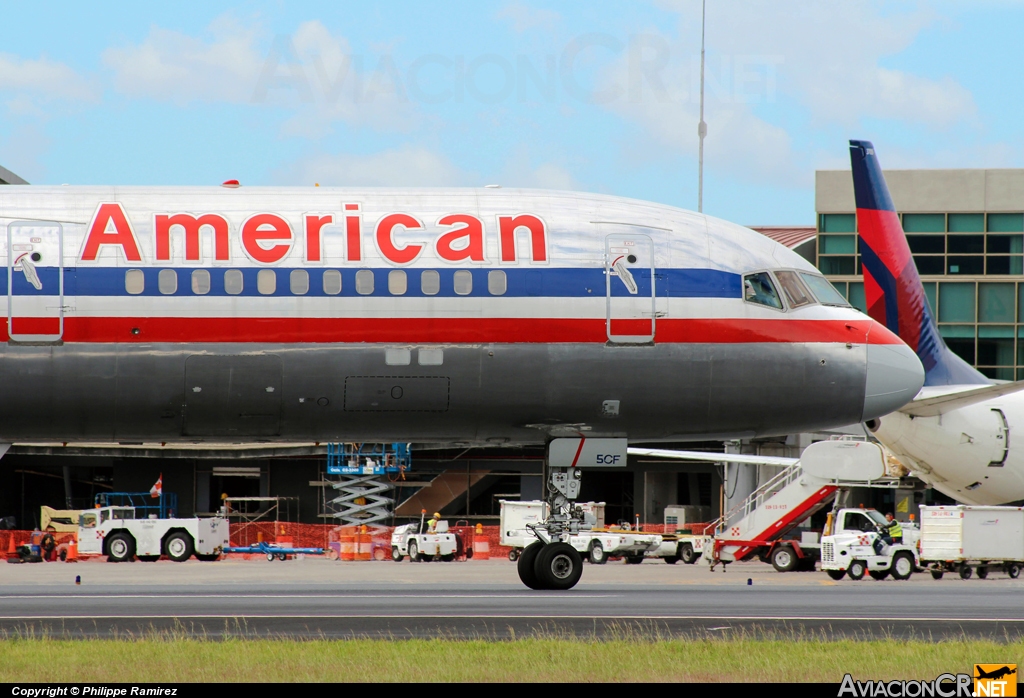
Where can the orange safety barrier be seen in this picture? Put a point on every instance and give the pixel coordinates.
(364, 545)
(347, 539)
(481, 544)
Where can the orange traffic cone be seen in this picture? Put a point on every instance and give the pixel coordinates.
(12, 549)
(72, 551)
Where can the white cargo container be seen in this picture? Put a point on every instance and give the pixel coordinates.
(965, 539)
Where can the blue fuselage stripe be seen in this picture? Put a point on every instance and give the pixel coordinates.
(548, 282)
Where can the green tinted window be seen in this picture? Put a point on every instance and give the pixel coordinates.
(857, 296)
(995, 331)
(838, 223)
(966, 222)
(837, 266)
(1006, 222)
(995, 303)
(837, 244)
(956, 302)
(924, 222)
(929, 292)
(957, 331)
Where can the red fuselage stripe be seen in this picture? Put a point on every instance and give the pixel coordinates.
(449, 330)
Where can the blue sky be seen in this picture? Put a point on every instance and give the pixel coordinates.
(595, 96)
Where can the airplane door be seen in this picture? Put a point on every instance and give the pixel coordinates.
(1001, 440)
(630, 289)
(35, 281)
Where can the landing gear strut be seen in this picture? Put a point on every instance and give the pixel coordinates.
(551, 563)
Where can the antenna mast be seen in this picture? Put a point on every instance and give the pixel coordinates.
(702, 128)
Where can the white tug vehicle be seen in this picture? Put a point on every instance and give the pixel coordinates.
(420, 544)
(856, 544)
(116, 533)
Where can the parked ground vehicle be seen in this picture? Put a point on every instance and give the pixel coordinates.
(116, 533)
(420, 545)
(969, 539)
(853, 546)
(681, 545)
(597, 544)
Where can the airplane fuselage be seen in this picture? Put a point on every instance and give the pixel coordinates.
(479, 316)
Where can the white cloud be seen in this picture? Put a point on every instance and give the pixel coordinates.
(45, 78)
(776, 69)
(403, 167)
(311, 72)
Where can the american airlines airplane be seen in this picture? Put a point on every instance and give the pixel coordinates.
(449, 315)
(955, 435)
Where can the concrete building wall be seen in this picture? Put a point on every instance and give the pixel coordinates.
(928, 191)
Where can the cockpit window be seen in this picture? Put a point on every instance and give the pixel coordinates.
(796, 293)
(823, 290)
(758, 288)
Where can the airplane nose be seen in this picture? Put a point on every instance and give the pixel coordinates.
(894, 377)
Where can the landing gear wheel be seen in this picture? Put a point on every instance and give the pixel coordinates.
(513, 554)
(559, 566)
(525, 565)
(148, 558)
(1012, 570)
(120, 547)
(857, 570)
(784, 559)
(414, 552)
(878, 575)
(937, 574)
(686, 553)
(596, 555)
(836, 574)
(982, 572)
(179, 546)
(965, 572)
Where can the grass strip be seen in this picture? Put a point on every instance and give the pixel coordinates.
(178, 657)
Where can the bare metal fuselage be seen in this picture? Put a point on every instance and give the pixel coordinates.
(560, 313)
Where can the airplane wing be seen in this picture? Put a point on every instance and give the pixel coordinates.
(710, 457)
(934, 406)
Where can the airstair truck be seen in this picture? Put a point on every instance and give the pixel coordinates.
(967, 539)
(116, 533)
(758, 527)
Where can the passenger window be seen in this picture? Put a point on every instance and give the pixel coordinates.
(430, 282)
(233, 282)
(758, 288)
(398, 284)
(167, 281)
(364, 282)
(134, 282)
(497, 284)
(796, 294)
(332, 282)
(298, 282)
(200, 282)
(463, 282)
(266, 282)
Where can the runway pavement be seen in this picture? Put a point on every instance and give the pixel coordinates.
(314, 597)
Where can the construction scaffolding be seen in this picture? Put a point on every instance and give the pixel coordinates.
(246, 512)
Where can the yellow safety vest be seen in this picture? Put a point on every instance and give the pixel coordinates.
(895, 530)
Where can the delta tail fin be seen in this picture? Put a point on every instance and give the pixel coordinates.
(892, 287)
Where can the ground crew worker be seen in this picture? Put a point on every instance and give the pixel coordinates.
(432, 524)
(895, 529)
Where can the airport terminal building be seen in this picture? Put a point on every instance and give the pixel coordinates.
(966, 232)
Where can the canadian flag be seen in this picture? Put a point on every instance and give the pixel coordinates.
(157, 490)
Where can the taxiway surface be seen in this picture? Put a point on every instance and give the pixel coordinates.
(314, 597)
